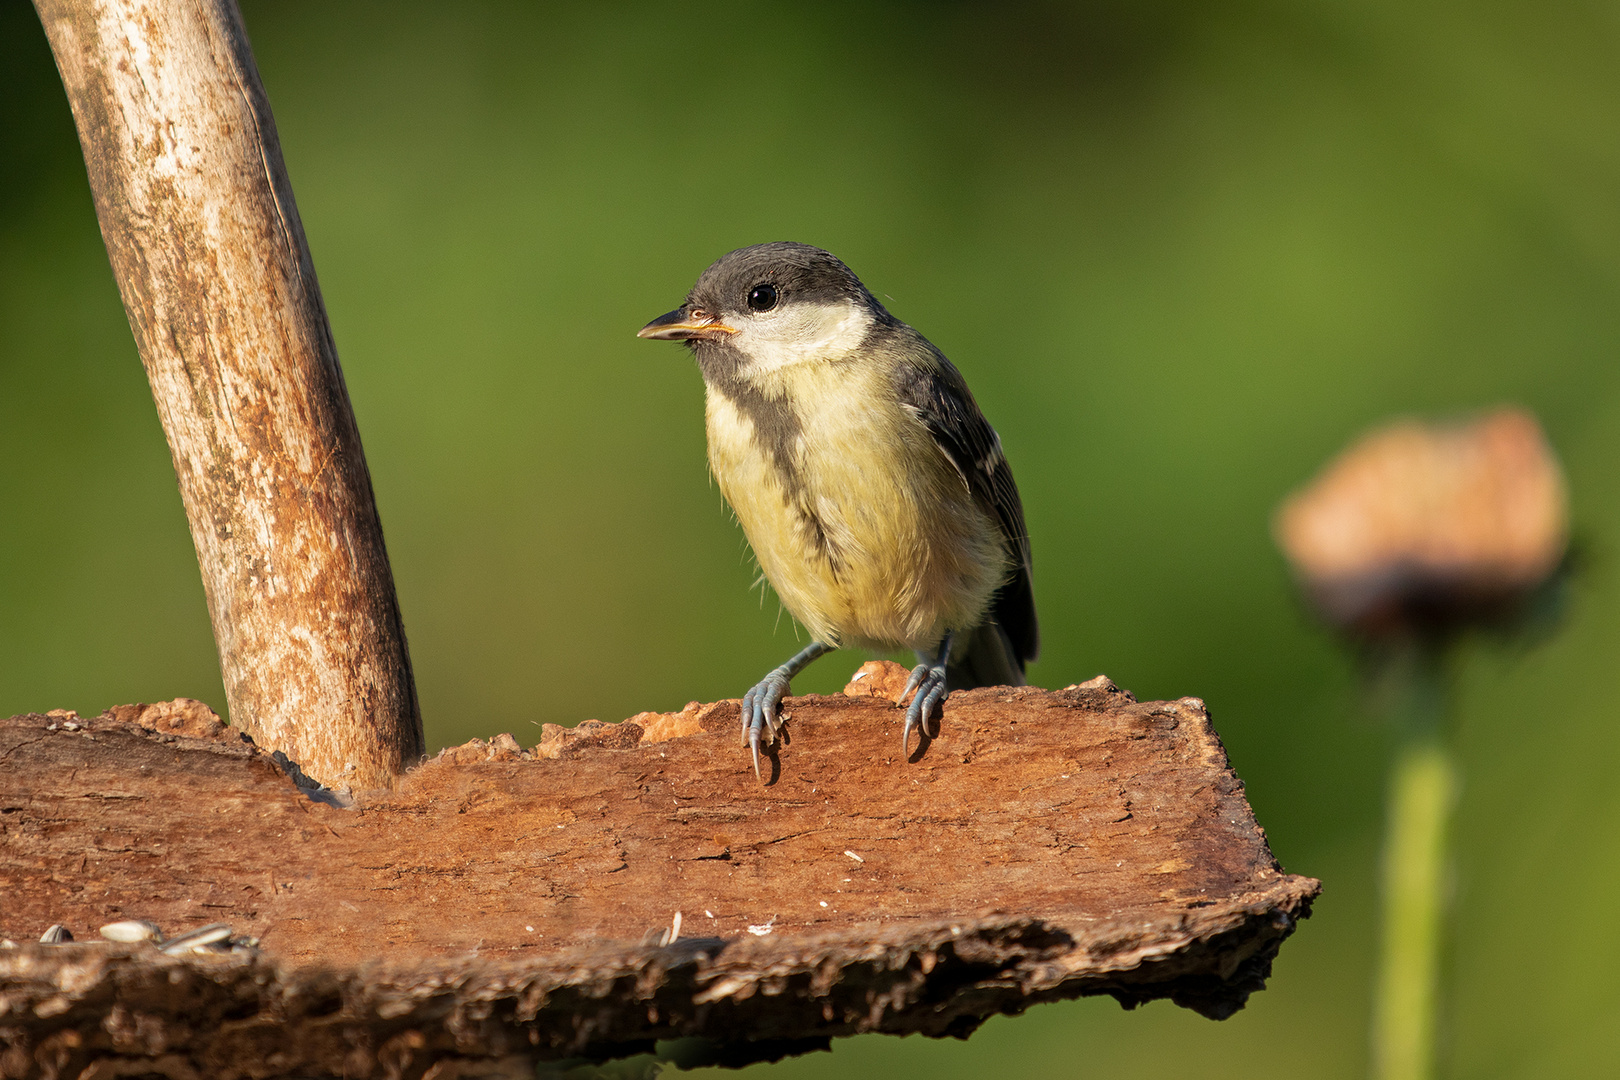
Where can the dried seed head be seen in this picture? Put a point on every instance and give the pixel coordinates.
(1420, 528)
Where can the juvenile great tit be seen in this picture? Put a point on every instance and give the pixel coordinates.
(872, 489)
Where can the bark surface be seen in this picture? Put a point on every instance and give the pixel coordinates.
(215, 274)
(502, 905)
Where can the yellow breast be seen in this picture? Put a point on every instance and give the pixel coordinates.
(864, 529)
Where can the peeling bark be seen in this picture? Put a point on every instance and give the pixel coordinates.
(216, 277)
(503, 905)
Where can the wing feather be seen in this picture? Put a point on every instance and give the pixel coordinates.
(935, 393)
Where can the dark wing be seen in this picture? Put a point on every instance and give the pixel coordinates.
(935, 392)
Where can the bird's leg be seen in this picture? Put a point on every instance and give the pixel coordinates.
(928, 679)
(759, 705)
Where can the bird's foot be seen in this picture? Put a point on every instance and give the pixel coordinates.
(760, 712)
(761, 704)
(929, 682)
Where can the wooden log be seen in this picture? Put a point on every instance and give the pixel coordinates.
(216, 277)
(507, 905)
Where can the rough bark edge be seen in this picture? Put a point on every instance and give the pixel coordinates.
(64, 1006)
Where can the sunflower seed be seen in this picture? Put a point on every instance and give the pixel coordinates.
(133, 930)
(202, 939)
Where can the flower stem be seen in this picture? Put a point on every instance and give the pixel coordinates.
(1423, 787)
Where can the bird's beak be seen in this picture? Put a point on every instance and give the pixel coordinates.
(686, 324)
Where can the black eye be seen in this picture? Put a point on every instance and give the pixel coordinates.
(762, 297)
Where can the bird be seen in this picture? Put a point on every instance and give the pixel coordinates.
(874, 493)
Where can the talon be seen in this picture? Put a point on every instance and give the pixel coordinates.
(928, 679)
(918, 674)
(761, 705)
(930, 724)
(929, 682)
(761, 720)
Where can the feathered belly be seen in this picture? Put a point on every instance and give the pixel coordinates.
(866, 532)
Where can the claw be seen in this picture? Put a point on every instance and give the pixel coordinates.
(761, 704)
(760, 713)
(918, 674)
(928, 680)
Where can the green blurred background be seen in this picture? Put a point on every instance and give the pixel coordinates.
(1182, 252)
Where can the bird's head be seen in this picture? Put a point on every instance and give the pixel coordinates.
(771, 306)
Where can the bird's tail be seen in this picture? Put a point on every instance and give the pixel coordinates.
(984, 657)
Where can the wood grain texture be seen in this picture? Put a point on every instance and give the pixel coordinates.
(216, 277)
(505, 902)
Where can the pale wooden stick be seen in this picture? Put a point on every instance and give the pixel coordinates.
(210, 256)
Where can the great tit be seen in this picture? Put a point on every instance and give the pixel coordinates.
(873, 491)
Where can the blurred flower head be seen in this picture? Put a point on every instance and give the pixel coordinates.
(1422, 529)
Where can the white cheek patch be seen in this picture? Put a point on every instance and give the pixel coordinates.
(805, 332)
